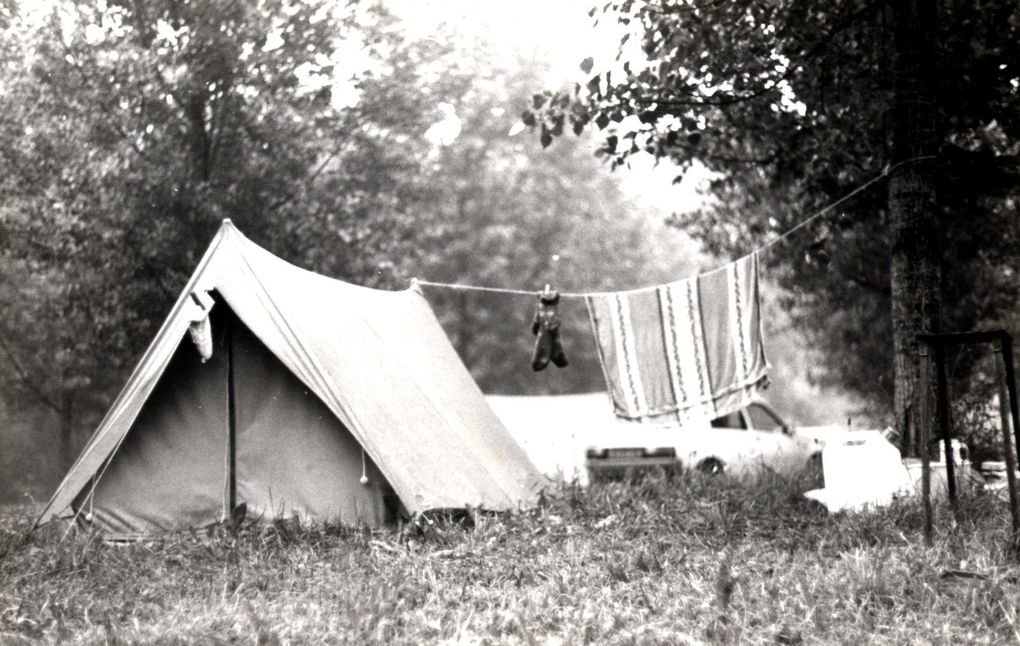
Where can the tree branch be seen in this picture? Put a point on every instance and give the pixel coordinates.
(678, 9)
(819, 46)
(26, 378)
(729, 100)
(308, 180)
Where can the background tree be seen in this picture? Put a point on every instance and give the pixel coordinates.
(128, 131)
(507, 214)
(793, 107)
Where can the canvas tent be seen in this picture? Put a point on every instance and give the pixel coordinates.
(321, 398)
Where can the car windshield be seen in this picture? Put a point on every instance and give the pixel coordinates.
(734, 421)
(763, 419)
(756, 416)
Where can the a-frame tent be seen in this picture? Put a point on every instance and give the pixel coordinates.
(323, 399)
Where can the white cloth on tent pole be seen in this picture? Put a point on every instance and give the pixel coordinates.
(201, 328)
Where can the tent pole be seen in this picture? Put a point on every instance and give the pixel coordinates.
(231, 419)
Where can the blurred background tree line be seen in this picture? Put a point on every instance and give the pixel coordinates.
(129, 130)
(333, 137)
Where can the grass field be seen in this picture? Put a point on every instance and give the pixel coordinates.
(686, 560)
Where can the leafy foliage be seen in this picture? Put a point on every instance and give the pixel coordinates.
(506, 214)
(131, 129)
(128, 131)
(791, 105)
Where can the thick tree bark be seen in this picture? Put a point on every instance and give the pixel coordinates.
(913, 220)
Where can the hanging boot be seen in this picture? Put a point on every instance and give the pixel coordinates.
(546, 325)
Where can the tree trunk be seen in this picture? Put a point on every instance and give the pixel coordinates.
(913, 220)
(66, 448)
(198, 136)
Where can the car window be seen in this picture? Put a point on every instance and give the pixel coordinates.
(763, 419)
(733, 420)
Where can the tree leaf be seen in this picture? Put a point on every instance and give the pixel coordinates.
(557, 126)
(545, 137)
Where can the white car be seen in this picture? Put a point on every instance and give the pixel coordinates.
(578, 437)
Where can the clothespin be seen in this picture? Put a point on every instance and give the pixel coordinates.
(547, 289)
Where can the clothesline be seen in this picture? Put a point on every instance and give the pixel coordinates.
(764, 247)
(803, 223)
(501, 290)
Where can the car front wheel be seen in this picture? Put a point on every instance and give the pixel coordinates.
(711, 466)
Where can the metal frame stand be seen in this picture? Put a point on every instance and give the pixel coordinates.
(938, 343)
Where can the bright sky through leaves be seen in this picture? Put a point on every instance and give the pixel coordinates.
(562, 34)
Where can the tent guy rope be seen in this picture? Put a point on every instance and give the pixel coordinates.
(888, 170)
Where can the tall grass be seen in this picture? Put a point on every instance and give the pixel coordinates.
(664, 560)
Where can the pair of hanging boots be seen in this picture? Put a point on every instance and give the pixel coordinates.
(546, 325)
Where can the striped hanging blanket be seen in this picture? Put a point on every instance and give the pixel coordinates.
(689, 349)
